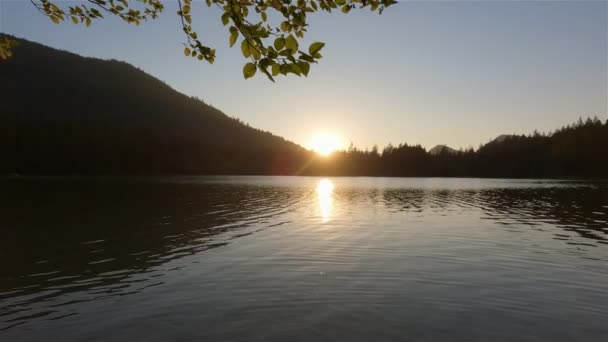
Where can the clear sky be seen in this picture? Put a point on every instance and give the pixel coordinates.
(456, 73)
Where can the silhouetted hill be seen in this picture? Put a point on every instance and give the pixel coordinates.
(575, 151)
(64, 113)
(441, 149)
(501, 138)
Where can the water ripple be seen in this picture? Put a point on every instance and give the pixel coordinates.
(387, 254)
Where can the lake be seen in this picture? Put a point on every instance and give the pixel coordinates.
(302, 259)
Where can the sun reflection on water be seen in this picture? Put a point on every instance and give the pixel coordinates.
(325, 190)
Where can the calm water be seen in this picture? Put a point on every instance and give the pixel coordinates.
(303, 259)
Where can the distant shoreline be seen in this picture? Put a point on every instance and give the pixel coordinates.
(153, 176)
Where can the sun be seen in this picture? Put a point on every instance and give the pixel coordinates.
(324, 144)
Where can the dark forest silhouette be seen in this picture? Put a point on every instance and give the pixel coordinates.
(66, 114)
(577, 150)
(63, 113)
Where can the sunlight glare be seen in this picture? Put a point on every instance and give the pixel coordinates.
(325, 144)
(325, 189)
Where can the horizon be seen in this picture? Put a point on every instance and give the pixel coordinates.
(553, 72)
(336, 147)
(439, 175)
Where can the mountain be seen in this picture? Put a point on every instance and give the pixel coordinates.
(64, 113)
(442, 149)
(61, 113)
(501, 138)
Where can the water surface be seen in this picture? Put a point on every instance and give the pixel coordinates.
(302, 258)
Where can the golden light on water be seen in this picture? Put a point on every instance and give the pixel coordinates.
(325, 144)
(325, 190)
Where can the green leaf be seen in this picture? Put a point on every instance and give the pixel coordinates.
(269, 76)
(225, 18)
(187, 51)
(186, 9)
(249, 70)
(245, 49)
(75, 20)
(346, 8)
(263, 64)
(340, 2)
(295, 69)
(255, 52)
(304, 67)
(285, 26)
(284, 69)
(315, 47)
(276, 69)
(279, 43)
(291, 43)
(286, 52)
(234, 34)
(264, 16)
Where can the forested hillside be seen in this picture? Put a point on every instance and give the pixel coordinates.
(63, 113)
(66, 114)
(579, 150)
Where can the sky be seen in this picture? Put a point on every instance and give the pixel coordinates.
(424, 72)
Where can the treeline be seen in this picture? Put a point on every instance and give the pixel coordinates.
(577, 150)
(61, 113)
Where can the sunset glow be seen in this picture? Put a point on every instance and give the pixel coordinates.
(325, 144)
(325, 189)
